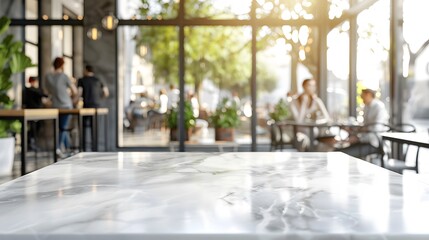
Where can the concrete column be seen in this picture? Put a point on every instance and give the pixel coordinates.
(396, 56)
(352, 64)
(323, 48)
(101, 54)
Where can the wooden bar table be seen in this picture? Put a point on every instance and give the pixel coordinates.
(81, 113)
(105, 113)
(25, 115)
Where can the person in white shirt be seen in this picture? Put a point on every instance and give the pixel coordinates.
(375, 121)
(307, 107)
(163, 101)
(173, 97)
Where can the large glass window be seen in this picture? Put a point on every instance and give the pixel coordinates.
(31, 11)
(286, 10)
(62, 9)
(218, 67)
(286, 56)
(31, 50)
(373, 51)
(148, 9)
(11, 9)
(338, 72)
(148, 71)
(416, 64)
(218, 9)
(336, 8)
(15, 93)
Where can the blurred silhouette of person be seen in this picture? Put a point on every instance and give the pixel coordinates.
(57, 85)
(156, 116)
(195, 104)
(163, 101)
(374, 115)
(236, 99)
(173, 96)
(92, 89)
(308, 107)
(34, 97)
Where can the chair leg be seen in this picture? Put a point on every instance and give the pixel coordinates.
(417, 160)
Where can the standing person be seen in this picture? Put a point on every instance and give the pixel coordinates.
(59, 87)
(173, 96)
(375, 116)
(91, 89)
(163, 101)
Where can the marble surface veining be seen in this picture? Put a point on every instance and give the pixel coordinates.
(255, 196)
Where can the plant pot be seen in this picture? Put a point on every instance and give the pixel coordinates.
(174, 134)
(7, 150)
(224, 134)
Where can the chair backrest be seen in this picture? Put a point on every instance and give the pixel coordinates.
(375, 129)
(276, 133)
(404, 127)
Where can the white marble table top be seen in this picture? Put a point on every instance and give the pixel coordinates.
(178, 196)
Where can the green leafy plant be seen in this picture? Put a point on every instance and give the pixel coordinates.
(12, 61)
(173, 117)
(281, 111)
(227, 115)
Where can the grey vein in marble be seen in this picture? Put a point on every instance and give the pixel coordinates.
(177, 196)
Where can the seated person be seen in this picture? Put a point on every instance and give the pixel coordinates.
(307, 107)
(34, 97)
(368, 140)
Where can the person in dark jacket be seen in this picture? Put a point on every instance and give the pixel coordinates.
(91, 89)
(34, 97)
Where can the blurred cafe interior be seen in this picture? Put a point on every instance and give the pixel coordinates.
(162, 59)
(91, 89)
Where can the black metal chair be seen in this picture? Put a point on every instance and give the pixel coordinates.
(398, 164)
(277, 137)
(367, 150)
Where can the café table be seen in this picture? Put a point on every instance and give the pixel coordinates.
(199, 196)
(311, 126)
(415, 139)
(26, 115)
(81, 113)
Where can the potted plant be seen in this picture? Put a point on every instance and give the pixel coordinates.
(173, 119)
(225, 119)
(12, 61)
(281, 111)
